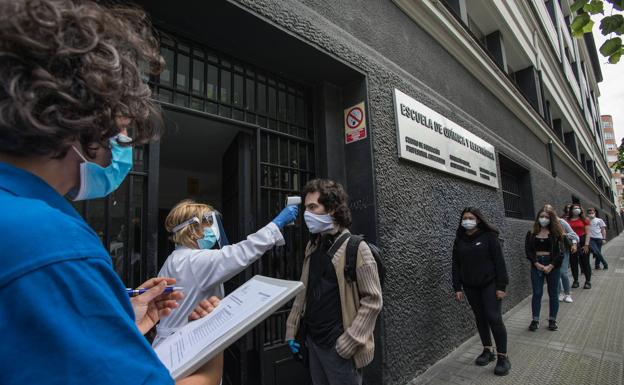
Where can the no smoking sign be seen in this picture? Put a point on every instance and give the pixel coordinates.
(355, 123)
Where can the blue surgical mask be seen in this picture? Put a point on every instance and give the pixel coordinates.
(97, 181)
(209, 239)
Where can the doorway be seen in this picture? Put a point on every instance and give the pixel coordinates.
(199, 161)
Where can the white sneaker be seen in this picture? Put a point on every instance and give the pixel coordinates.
(561, 297)
(568, 299)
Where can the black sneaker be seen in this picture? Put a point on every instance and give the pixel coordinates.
(596, 267)
(552, 325)
(575, 285)
(587, 285)
(533, 326)
(503, 365)
(485, 358)
(606, 268)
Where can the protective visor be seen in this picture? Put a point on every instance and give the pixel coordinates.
(213, 219)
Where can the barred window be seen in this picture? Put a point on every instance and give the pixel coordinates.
(516, 186)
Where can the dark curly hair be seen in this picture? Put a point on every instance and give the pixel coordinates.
(68, 70)
(333, 196)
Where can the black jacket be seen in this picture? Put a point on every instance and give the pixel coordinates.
(478, 260)
(558, 245)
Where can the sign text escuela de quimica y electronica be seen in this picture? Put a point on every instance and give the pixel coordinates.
(428, 138)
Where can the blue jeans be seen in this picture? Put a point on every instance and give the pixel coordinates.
(595, 245)
(565, 278)
(552, 283)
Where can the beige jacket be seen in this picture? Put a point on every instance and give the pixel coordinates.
(361, 302)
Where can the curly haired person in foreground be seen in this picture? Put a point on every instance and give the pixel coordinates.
(73, 104)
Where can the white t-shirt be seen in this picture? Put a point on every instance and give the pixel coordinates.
(596, 225)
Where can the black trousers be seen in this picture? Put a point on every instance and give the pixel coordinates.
(582, 259)
(488, 315)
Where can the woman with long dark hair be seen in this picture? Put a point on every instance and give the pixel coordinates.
(544, 247)
(581, 226)
(479, 269)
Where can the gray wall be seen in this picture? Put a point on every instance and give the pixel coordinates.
(418, 208)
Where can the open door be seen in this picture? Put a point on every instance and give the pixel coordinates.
(238, 221)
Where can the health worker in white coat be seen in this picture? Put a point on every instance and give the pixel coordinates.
(202, 260)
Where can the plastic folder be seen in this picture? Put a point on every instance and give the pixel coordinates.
(190, 347)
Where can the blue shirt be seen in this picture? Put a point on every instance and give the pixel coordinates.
(65, 317)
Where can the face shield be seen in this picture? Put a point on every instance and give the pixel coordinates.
(214, 222)
(216, 225)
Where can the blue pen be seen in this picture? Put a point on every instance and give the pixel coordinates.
(135, 292)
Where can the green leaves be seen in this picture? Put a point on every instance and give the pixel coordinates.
(610, 24)
(611, 46)
(613, 49)
(614, 24)
(578, 4)
(581, 24)
(594, 7)
(617, 4)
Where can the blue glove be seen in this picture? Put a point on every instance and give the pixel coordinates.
(288, 215)
(294, 346)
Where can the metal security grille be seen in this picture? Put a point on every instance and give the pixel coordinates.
(511, 195)
(199, 78)
(202, 79)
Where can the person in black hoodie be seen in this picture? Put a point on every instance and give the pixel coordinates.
(544, 247)
(479, 268)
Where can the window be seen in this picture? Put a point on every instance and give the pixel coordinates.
(609, 135)
(516, 186)
(196, 77)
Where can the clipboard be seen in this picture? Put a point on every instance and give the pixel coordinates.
(196, 343)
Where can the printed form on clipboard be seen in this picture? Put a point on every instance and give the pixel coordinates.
(196, 343)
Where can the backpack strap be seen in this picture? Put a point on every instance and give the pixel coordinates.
(351, 257)
(337, 243)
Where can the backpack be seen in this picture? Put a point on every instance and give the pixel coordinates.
(351, 256)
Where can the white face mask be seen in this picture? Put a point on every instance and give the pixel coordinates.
(576, 212)
(592, 216)
(318, 223)
(469, 224)
(544, 222)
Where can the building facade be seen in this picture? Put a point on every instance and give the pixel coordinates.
(419, 107)
(611, 145)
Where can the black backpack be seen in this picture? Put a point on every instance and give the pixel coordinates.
(351, 256)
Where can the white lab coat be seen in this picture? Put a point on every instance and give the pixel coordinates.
(202, 272)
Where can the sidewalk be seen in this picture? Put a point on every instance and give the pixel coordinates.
(587, 349)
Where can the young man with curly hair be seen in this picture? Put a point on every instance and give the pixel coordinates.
(335, 317)
(71, 95)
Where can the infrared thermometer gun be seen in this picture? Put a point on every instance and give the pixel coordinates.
(292, 201)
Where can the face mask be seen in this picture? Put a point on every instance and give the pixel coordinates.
(576, 212)
(209, 239)
(97, 181)
(469, 224)
(544, 222)
(592, 216)
(318, 223)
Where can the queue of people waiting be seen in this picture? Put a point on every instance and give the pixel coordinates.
(553, 244)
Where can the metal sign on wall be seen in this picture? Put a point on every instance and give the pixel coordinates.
(355, 123)
(428, 138)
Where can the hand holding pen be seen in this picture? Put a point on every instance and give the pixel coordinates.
(168, 289)
(154, 303)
